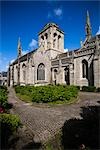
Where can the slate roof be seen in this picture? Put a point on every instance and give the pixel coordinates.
(24, 57)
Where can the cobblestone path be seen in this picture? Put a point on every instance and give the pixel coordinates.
(45, 121)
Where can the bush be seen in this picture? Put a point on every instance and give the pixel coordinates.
(10, 120)
(3, 96)
(78, 87)
(98, 89)
(8, 125)
(44, 94)
(3, 87)
(89, 88)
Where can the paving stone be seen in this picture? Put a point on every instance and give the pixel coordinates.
(45, 121)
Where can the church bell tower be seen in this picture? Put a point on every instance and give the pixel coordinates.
(51, 37)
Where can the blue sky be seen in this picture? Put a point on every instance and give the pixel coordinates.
(25, 19)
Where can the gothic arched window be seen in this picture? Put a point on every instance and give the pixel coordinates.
(24, 71)
(42, 37)
(46, 35)
(84, 69)
(41, 72)
(55, 34)
(59, 37)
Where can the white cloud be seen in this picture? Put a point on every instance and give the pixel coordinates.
(98, 31)
(12, 61)
(66, 49)
(7, 66)
(24, 52)
(58, 12)
(3, 62)
(33, 44)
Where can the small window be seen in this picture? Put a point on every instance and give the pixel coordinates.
(55, 34)
(42, 37)
(59, 36)
(46, 35)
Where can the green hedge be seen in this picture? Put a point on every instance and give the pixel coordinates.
(89, 88)
(3, 96)
(45, 94)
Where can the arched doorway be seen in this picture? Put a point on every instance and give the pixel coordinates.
(55, 76)
(67, 75)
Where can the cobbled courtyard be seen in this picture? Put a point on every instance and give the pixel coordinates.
(44, 121)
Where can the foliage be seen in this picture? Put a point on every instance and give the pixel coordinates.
(98, 89)
(8, 125)
(89, 88)
(3, 96)
(12, 121)
(45, 94)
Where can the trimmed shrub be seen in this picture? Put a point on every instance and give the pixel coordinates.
(89, 88)
(45, 94)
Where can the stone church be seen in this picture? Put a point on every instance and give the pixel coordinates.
(49, 64)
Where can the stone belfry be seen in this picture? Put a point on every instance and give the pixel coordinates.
(51, 37)
(19, 48)
(88, 27)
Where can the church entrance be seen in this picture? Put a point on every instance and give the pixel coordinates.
(67, 75)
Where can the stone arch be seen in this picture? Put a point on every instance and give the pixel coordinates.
(55, 34)
(84, 68)
(41, 72)
(42, 37)
(46, 35)
(23, 65)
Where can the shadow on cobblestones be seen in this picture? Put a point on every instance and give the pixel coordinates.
(76, 132)
(32, 146)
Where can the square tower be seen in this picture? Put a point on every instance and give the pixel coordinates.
(51, 37)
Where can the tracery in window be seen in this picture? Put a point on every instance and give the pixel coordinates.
(84, 69)
(41, 72)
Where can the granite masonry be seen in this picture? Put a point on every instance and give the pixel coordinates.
(49, 64)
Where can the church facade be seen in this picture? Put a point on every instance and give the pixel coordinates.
(49, 64)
